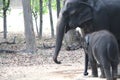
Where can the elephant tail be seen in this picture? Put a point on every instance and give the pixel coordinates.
(113, 52)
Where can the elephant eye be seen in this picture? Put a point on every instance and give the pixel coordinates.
(72, 12)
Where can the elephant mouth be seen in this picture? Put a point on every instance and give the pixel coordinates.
(87, 27)
(73, 26)
(86, 24)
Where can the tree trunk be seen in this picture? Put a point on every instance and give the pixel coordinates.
(41, 18)
(5, 8)
(29, 32)
(58, 7)
(5, 24)
(36, 23)
(51, 19)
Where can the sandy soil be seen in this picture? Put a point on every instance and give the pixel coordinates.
(45, 72)
(40, 66)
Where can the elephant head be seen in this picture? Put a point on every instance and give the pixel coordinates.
(73, 14)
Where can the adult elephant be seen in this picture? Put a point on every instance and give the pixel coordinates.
(101, 14)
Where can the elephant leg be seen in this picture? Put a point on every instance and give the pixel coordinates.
(114, 71)
(86, 64)
(107, 71)
(102, 72)
(93, 64)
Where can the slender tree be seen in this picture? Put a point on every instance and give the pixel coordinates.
(6, 4)
(51, 19)
(1, 8)
(58, 7)
(29, 32)
(41, 18)
(35, 12)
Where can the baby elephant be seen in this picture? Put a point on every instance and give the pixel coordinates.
(103, 49)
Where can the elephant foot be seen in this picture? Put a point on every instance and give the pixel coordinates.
(110, 78)
(94, 75)
(114, 78)
(56, 61)
(102, 76)
(85, 73)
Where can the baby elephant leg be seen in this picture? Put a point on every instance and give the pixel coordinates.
(108, 72)
(102, 72)
(114, 71)
(93, 64)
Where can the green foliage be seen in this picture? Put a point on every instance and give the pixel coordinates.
(35, 5)
(53, 4)
(45, 6)
(4, 5)
(1, 13)
(1, 6)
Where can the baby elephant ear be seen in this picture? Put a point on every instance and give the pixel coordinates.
(87, 39)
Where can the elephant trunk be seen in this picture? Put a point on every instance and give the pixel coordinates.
(86, 64)
(59, 38)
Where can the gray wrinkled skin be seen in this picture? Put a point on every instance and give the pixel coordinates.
(103, 48)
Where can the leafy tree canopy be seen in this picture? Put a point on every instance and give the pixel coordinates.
(4, 4)
(35, 5)
(1, 6)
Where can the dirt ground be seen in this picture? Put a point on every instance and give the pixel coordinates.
(40, 66)
(44, 72)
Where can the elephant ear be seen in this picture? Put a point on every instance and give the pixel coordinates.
(85, 13)
(76, 13)
(80, 14)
